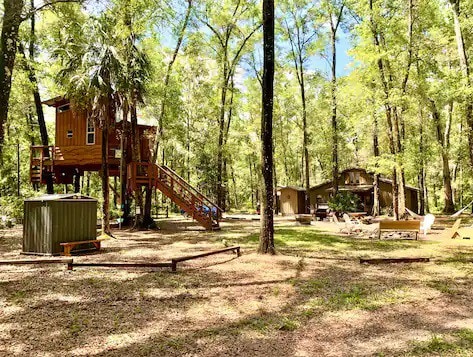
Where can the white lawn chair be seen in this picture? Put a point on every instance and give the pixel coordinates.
(427, 223)
(352, 225)
(342, 226)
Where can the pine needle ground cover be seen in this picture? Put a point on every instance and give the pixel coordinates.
(312, 299)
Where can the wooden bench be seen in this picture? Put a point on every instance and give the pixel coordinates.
(398, 226)
(68, 246)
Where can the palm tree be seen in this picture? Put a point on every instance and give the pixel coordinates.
(93, 69)
(131, 89)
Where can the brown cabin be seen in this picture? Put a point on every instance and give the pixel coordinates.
(78, 145)
(360, 182)
(290, 200)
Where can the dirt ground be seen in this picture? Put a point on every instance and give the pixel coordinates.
(312, 299)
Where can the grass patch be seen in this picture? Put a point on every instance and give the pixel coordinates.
(326, 293)
(436, 344)
(18, 296)
(307, 239)
(355, 297)
(445, 286)
(459, 343)
(287, 324)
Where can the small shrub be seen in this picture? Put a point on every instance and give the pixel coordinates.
(344, 202)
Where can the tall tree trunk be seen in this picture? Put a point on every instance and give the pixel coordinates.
(12, 10)
(399, 119)
(105, 175)
(136, 157)
(235, 192)
(147, 219)
(334, 113)
(87, 184)
(443, 140)
(36, 96)
(376, 205)
(125, 202)
(305, 143)
(421, 173)
(465, 66)
(162, 111)
(251, 183)
(266, 243)
(221, 135)
(382, 71)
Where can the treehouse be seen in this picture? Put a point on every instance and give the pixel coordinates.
(78, 148)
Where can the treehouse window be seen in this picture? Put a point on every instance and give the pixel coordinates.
(90, 132)
(354, 178)
(69, 134)
(63, 108)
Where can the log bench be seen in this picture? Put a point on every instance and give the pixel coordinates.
(68, 246)
(399, 226)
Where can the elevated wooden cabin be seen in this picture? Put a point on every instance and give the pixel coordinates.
(360, 182)
(78, 145)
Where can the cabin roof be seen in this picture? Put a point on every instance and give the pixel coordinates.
(56, 101)
(296, 188)
(358, 188)
(353, 188)
(388, 181)
(61, 196)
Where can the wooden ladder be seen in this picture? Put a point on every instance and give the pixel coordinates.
(178, 190)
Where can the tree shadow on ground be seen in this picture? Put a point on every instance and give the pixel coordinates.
(336, 307)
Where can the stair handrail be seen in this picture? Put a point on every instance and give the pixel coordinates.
(186, 188)
(177, 187)
(190, 187)
(50, 148)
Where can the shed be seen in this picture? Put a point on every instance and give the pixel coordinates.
(53, 219)
(291, 200)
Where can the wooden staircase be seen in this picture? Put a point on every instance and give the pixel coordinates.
(178, 190)
(41, 163)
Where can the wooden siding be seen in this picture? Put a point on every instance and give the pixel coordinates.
(290, 201)
(320, 191)
(356, 177)
(386, 196)
(75, 151)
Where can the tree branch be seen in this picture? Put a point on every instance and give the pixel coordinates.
(47, 4)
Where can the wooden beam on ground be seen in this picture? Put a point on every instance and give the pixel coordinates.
(393, 260)
(71, 265)
(174, 261)
(35, 261)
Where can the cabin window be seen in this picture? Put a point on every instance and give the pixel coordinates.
(90, 132)
(354, 178)
(69, 134)
(63, 108)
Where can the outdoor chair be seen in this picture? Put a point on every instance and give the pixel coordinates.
(427, 223)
